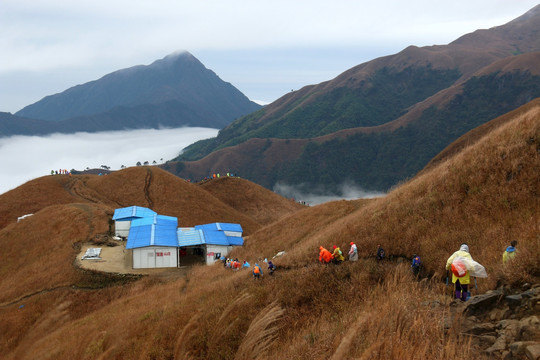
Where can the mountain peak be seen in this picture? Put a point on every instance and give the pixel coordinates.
(175, 57)
(176, 90)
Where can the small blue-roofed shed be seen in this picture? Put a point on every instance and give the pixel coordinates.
(219, 238)
(153, 242)
(124, 216)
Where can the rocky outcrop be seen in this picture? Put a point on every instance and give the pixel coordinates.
(503, 323)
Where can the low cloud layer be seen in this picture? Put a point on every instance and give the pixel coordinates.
(24, 158)
(314, 195)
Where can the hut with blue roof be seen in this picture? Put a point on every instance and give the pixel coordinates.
(156, 241)
(153, 242)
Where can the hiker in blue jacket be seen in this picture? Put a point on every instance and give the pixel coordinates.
(415, 265)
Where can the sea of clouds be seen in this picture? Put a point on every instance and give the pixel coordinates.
(314, 195)
(25, 158)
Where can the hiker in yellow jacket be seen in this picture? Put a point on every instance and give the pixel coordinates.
(510, 252)
(338, 255)
(461, 282)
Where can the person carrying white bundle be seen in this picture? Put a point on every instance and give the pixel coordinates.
(463, 267)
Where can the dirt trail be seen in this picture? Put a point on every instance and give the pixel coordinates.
(118, 260)
(147, 183)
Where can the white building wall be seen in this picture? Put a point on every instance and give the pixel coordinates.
(121, 228)
(166, 257)
(213, 250)
(155, 257)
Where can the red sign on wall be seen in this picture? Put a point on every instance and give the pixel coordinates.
(168, 253)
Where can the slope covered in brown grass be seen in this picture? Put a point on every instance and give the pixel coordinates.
(149, 187)
(251, 199)
(486, 195)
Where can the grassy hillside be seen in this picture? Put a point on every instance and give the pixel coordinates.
(142, 186)
(486, 195)
(377, 157)
(251, 199)
(379, 123)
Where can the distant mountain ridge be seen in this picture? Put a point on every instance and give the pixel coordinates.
(380, 122)
(174, 91)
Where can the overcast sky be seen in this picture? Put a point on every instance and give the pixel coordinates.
(264, 48)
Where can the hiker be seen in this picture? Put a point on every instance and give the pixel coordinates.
(510, 252)
(415, 265)
(380, 252)
(337, 255)
(324, 255)
(271, 267)
(257, 272)
(462, 279)
(353, 252)
(245, 264)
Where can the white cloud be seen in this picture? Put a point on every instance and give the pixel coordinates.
(24, 158)
(314, 195)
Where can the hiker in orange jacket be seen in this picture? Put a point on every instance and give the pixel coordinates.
(325, 256)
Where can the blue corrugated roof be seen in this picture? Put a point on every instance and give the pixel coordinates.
(235, 240)
(190, 237)
(151, 235)
(221, 227)
(132, 212)
(150, 229)
(157, 220)
(215, 237)
(230, 227)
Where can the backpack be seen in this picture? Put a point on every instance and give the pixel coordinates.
(458, 268)
(416, 262)
(256, 270)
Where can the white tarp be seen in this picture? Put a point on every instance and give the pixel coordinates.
(474, 268)
(92, 253)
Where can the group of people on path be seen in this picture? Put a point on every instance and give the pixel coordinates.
(336, 256)
(60, 172)
(460, 263)
(234, 264)
(257, 270)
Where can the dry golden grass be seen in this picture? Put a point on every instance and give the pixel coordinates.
(261, 334)
(487, 195)
(264, 206)
(169, 195)
(32, 197)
